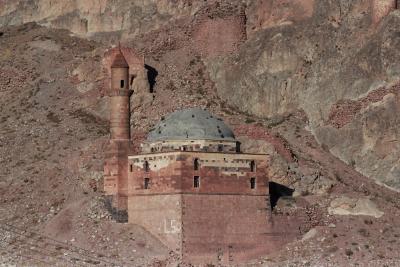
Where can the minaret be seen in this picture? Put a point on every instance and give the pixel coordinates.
(120, 145)
(120, 94)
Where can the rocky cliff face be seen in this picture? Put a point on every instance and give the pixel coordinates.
(340, 66)
(303, 80)
(336, 60)
(94, 17)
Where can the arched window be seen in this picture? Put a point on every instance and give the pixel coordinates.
(196, 164)
(146, 166)
(252, 166)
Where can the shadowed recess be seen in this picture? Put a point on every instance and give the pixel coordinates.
(276, 191)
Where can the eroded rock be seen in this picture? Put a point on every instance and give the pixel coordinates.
(354, 206)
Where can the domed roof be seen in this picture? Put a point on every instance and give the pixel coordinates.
(191, 124)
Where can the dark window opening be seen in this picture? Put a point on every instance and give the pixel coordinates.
(220, 148)
(252, 182)
(196, 164)
(252, 166)
(146, 183)
(196, 181)
(237, 147)
(130, 168)
(276, 191)
(122, 84)
(146, 166)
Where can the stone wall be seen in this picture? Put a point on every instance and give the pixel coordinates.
(225, 229)
(219, 29)
(222, 220)
(173, 172)
(160, 215)
(191, 145)
(115, 172)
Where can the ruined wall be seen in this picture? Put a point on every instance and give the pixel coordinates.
(219, 29)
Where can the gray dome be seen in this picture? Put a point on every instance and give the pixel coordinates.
(191, 124)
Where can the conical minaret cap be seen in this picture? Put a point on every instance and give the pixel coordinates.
(119, 61)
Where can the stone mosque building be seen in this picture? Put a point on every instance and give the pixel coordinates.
(191, 186)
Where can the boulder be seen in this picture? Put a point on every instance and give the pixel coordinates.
(354, 206)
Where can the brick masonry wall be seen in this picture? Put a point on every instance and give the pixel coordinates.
(115, 172)
(225, 229)
(219, 173)
(160, 215)
(222, 221)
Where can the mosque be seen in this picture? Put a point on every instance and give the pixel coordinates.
(191, 186)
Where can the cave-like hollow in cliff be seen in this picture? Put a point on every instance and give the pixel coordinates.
(276, 191)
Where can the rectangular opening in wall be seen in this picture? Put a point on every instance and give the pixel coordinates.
(220, 148)
(122, 84)
(252, 166)
(130, 167)
(196, 181)
(237, 147)
(252, 182)
(146, 183)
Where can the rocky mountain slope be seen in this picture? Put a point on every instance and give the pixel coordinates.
(336, 60)
(313, 83)
(340, 68)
